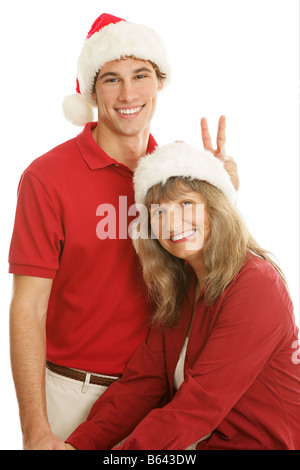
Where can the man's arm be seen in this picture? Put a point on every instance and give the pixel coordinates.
(28, 358)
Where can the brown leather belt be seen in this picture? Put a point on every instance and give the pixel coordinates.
(78, 375)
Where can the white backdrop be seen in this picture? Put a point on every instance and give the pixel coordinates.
(234, 57)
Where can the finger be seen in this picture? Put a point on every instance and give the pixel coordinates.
(223, 157)
(232, 170)
(230, 165)
(221, 136)
(206, 135)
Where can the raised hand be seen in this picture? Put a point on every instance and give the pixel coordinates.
(229, 164)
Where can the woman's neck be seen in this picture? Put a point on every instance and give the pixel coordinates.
(198, 269)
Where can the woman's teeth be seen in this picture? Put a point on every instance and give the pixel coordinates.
(182, 235)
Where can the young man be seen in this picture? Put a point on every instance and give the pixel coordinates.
(79, 304)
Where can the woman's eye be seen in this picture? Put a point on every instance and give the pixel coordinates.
(186, 203)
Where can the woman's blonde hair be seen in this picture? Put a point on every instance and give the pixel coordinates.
(223, 253)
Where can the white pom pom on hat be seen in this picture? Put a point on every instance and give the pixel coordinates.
(110, 38)
(180, 159)
(77, 110)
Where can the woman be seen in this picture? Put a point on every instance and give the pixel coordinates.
(216, 371)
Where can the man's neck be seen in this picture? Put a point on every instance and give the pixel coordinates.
(125, 149)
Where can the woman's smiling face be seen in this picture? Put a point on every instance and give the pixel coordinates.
(181, 224)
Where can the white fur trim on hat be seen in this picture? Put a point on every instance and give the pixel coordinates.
(180, 159)
(113, 42)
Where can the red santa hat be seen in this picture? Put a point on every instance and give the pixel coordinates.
(110, 38)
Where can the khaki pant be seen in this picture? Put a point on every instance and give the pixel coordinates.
(68, 402)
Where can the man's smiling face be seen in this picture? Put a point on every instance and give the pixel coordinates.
(126, 94)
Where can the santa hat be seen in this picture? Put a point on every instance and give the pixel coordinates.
(180, 159)
(110, 38)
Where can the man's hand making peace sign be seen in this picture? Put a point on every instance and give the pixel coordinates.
(229, 164)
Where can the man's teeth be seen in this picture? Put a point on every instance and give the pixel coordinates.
(182, 235)
(129, 111)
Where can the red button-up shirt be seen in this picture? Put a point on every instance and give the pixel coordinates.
(241, 382)
(98, 310)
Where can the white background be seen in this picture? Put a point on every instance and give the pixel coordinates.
(234, 57)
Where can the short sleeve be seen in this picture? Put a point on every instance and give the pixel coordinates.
(38, 235)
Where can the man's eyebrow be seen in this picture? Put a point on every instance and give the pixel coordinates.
(115, 74)
(108, 74)
(143, 69)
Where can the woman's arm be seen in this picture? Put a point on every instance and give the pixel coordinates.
(127, 401)
(251, 328)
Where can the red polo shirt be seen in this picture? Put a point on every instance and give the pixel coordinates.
(68, 200)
